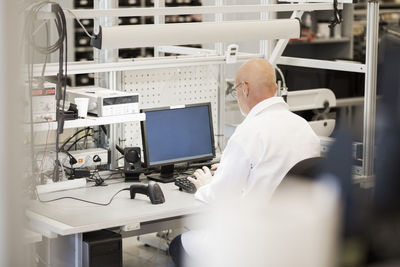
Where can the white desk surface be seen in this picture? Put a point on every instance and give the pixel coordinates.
(67, 216)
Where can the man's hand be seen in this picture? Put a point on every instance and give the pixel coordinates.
(203, 177)
(215, 166)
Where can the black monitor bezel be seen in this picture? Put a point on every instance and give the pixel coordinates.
(145, 143)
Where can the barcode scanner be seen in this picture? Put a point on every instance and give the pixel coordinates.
(152, 190)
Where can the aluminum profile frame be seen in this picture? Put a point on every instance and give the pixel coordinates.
(370, 68)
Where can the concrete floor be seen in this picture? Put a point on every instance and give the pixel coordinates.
(136, 254)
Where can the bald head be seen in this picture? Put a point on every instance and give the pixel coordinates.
(259, 83)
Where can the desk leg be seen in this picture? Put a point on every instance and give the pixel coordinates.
(63, 251)
(78, 250)
(31, 255)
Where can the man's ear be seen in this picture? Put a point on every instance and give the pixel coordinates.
(245, 89)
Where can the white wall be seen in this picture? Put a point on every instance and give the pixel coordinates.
(3, 240)
(11, 213)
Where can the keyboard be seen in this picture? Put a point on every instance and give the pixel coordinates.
(185, 185)
(198, 165)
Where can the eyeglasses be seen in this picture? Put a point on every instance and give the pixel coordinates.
(234, 89)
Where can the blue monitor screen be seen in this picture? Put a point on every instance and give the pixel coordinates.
(176, 135)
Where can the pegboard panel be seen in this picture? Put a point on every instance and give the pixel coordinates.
(171, 86)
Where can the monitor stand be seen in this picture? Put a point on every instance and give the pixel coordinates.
(132, 176)
(166, 175)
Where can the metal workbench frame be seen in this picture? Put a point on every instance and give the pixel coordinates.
(265, 9)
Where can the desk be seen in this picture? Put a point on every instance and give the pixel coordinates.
(67, 219)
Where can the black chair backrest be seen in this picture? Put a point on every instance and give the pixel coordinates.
(307, 168)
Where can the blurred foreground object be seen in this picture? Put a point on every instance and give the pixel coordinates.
(298, 227)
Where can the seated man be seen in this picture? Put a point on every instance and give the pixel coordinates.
(263, 148)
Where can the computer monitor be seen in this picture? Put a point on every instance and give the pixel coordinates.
(177, 134)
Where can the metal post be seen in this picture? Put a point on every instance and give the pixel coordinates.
(78, 239)
(105, 55)
(370, 88)
(158, 20)
(280, 46)
(266, 45)
(219, 17)
(111, 79)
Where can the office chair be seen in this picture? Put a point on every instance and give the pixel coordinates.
(307, 168)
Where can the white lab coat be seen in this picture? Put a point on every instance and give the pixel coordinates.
(263, 148)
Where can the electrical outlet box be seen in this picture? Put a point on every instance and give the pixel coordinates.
(231, 54)
(130, 227)
(87, 158)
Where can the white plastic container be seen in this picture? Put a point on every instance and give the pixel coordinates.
(82, 104)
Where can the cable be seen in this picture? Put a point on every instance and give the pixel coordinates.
(59, 45)
(72, 136)
(111, 175)
(59, 115)
(46, 56)
(83, 27)
(95, 177)
(337, 15)
(83, 200)
(61, 28)
(283, 91)
(45, 148)
(282, 76)
(85, 141)
(77, 140)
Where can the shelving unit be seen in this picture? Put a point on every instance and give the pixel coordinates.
(326, 48)
(90, 121)
(343, 51)
(345, 85)
(84, 52)
(389, 14)
(321, 41)
(82, 49)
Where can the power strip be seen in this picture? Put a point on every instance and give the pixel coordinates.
(63, 185)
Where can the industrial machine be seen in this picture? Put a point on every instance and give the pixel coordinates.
(105, 102)
(43, 102)
(319, 100)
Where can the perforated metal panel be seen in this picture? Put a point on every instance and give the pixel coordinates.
(170, 86)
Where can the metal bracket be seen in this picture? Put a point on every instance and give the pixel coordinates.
(364, 181)
(282, 43)
(42, 230)
(318, 1)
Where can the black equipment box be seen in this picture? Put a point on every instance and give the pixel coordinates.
(102, 249)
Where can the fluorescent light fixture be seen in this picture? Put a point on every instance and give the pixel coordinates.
(132, 36)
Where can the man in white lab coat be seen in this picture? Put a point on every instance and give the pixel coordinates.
(263, 148)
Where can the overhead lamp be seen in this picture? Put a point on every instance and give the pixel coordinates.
(131, 36)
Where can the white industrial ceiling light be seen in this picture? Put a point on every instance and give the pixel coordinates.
(132, 36)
